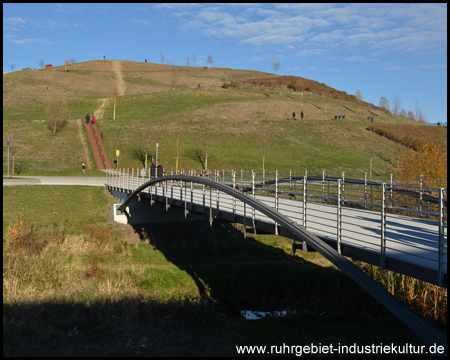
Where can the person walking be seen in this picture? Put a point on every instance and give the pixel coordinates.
(301, 115)
(93, 120)
(293, 116)
(88, 118)
(83, 168)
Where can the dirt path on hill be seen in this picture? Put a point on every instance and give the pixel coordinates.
(117, 68)
(101, 110)
(87, 161)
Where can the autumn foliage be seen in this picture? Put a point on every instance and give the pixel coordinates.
(430, 160)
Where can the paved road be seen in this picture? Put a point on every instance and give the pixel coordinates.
(56, 180)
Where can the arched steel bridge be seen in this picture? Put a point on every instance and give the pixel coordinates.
(421, 328)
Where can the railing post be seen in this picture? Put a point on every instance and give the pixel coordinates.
(420, 193)
(365, 190)
(383, 227)
(210, 206)
(392, 190)
(128, 179)
(323, 186)
(245, 224)
(253, 195)
(305, 179)
(441, 239)
(217, 192)
(276, 199)
(343, 186)
(233, 177)
(290, 182)
(264, 180)
(339, 217)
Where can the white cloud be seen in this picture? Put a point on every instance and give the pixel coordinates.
(14, 21)
(142, 22)
(30, 41)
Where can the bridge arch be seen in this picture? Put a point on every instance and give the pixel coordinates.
(428, 334)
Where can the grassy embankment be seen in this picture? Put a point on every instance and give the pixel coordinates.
(228, 118)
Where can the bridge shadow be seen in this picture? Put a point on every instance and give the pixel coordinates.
(249, 274)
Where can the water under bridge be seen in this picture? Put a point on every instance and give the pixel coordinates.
(398, 227)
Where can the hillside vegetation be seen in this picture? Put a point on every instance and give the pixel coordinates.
(161, 103)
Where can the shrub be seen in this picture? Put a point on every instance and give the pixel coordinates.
(23, 238)
(308, 88)
(294, 87)
(226, 85)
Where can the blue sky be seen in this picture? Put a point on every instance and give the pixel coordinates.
(380, 49)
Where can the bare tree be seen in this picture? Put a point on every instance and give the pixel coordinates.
(358, 95)
(396, 105)
(193, 58)
(146, 141)
(423, 119)
(12, 66)
(418, 110)
(276, 65)
(210, 61)
(411, 115)
(72, 60)
(115, 99)
(67, 63)
(403, 113)
(174, 78)
(162, 57)
(384, 103)
(41, 63)
(56, 109)
(201, 154)
(179, 132)
(265, 135)
(188, 61)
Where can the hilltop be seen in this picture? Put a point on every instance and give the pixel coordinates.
(162, 103)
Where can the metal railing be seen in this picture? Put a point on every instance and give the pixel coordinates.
(398, 220)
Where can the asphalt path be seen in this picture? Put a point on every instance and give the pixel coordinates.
(56, 180)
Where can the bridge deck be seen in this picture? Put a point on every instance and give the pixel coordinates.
(412, 244)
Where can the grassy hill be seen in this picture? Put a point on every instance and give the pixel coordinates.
(162, 102)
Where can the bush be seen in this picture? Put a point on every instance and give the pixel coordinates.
(226, 85)
(294, 87)
(23, 238)
(308, 89)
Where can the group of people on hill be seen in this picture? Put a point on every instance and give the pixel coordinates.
(336, 117)
(293, 115)
(89, 119)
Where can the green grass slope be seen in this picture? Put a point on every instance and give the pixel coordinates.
(165, 100)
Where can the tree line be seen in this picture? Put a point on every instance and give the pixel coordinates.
(397, 109)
